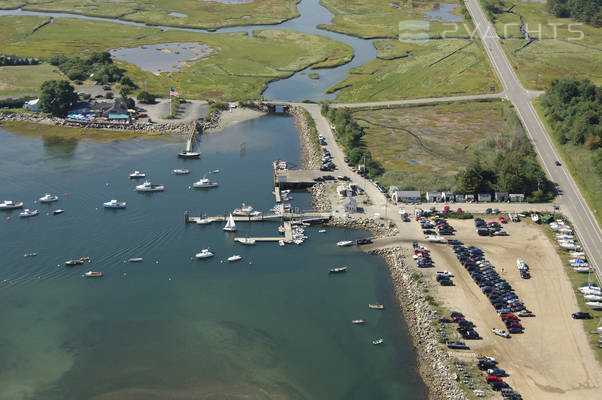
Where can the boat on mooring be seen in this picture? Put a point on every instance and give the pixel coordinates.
(48, 198)
(114, 204)
(378, 341)
(147, 186)
(376, 306)
(180, 171)
(345, 243)
(205, 183)
(230, 224)
(10, 205)
(135, 259)
(244, 211)
(203, 221)
(93, 274)
(137, 175)
(358, 321)
(28, 213)
(73, 262)
(205, 253)
(235, 257)
(189, 154)
(58, 211)
(246, 240)
(30, 254)
(337, 270)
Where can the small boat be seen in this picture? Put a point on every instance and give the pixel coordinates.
(48, 198)
(230, 224)
(298, 241)
(215, 171)
(58, 211)
(28, 213)
(135, 259)
(147, 186)
(358, 321)
(345, 243)
(590, 288)
(10, 205)
(235, 257)
(582, 269)
(74, 262)
(205, 253)
(501, 332)
(137, 175)
(93, 274)
(114, 204)
(337, 270)
(205, 183)
(376, 306)
(322, 231)
(189, 154)
(30, 254)
(281, 243)
(181, 171)
(377, 341)
(203, 221)
(247, 241)
(244, 211)
(594, 305)
(255, 213)
(535, 218)
(84, 258)
(592, 297)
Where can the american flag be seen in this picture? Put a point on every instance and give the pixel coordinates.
(172, 92)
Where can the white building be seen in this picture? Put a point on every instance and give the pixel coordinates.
(484, 197)
(32, 105)
(350, 205)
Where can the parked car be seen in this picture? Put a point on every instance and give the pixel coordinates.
(497, 386)
(558, 164)
(493, 378)
(582, 315)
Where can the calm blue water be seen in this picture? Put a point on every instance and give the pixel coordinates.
(168, 327)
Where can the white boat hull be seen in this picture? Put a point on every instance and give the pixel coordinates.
(594, 305)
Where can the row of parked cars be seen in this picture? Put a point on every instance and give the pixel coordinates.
(327, 164)
(438, 226)
(422, 255)
(495, 377)
(465, 327)
(492, 228)
(500, 293)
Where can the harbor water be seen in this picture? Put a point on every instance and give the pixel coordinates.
(274, 325)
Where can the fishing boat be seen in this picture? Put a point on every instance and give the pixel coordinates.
(244, 211)
(30, 254)
(377, 341)
(28, 213)
(84, 259)
(246, 240)
(114, 204)
(535, 218)
(501, 332)
(137, 175)
(230, 224)
(358, 321)
(58, 211)
(93, 274)
(135, 259)
(345, 243)
(189, 154)
(73, 262)
(376, 306)
(322, 231)
(48, 198)
(203, 221)
(205, 183)
(180, 171)
(147, 186)
(235, 257)
(337, 270)
(594, 305)
(205, 253)
(10, 205)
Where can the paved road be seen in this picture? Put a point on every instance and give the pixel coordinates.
(571, 201)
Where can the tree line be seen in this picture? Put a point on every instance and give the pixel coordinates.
(6, 61)
(588, 11)
(573, 108)
(99, 66)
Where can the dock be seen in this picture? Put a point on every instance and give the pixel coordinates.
(288, 235)
(310, 216)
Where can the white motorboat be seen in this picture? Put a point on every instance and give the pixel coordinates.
(28, 213)
(244, 211)
(345, 243)
(135, 259)
(230, 224)
(58, 211)
(378, 341)
(358, 321)
(205, 253)
(594, 305)
(281, 243)
(298, 241)
(93, 274)
(203, 221)
(205, 183)
(247, 241)
(591, 289)
(592, 297)
(10, 205)
(147, 186)
(322, 231)
(180, 171)
(114, 204)
(501, 332)
(137, 175)
(215, 171)
(189, 154)
(582, 269)
(48, 198)
(255, 213)
(235, 257)
(577, 254)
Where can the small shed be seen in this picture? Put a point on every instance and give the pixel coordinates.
(32, 105)
(501, 196)
(486, 197)
(460, 198)
(434, 197)
(447, 196)
(516, 197)
(469, 198)
(350, 205)
(406, 196)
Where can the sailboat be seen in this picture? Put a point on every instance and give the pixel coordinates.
(230, 225)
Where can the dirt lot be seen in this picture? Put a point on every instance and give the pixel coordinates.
(552, 359)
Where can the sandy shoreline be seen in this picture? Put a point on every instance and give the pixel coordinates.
(233, 117)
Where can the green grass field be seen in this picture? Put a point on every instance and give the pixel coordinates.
(239, 69)
(423, 147)
(381, 18)
(433, 69)
(26, 79)
(190, 13)
(557, 53)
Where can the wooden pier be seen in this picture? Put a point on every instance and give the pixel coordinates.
(312, 216)
(287, 238)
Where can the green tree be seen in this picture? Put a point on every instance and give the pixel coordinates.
(146, 97)
(57, 97)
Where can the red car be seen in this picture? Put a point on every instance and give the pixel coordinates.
(502, 219)
(510, 324)
(505, 317)
(492, 378)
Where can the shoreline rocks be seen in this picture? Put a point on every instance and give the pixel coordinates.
(310, 159)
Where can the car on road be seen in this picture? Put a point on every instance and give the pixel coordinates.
(106, 88)
(319, 179)
(582, 315)
(558, 164)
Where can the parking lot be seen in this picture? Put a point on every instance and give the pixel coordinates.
(552, 358)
